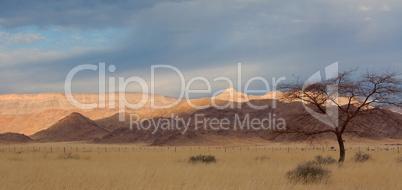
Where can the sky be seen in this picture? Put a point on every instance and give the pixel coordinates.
(42, 41)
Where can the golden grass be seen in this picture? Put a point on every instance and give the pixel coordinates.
(156, 168)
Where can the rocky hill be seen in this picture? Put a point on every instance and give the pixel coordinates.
(74, 127)
(8, 138)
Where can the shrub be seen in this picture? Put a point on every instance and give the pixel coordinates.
(361, 157)
(17, 159)
(202, 159)
(323, 160)
(399, 159)
(67, 156)
(261, 158)
(309, 173)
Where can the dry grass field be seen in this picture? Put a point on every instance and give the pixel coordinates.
(122, 167)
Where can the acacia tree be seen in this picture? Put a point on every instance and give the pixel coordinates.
(339, 101)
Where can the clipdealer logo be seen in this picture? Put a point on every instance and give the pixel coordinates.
(182, 124)
(149, 91)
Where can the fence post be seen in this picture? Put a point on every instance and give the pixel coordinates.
(64, 149)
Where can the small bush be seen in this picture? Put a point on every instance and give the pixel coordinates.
(67, 156)
(261, 158)
(323, 160)
(309, 173)
(361, 157)
(399, 159)
(202, 159)
(17, 159)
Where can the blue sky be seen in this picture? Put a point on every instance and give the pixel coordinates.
(41, 41)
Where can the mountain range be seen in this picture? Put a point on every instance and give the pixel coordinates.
(51, 118)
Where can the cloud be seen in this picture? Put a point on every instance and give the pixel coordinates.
(74, 14)
(364, 8)
(19, 38)
(274, 38)
(368, 18)
(386, 8)
(24, 57)
(77, 37)
(25, 38)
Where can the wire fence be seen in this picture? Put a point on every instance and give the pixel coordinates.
(106, 149)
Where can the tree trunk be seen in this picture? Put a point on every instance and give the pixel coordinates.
(341, 148)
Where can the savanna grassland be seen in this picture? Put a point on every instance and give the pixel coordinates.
(84, 166)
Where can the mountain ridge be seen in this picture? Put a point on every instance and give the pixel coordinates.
(31, 121)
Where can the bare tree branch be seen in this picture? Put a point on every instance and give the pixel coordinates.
(365, 96)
